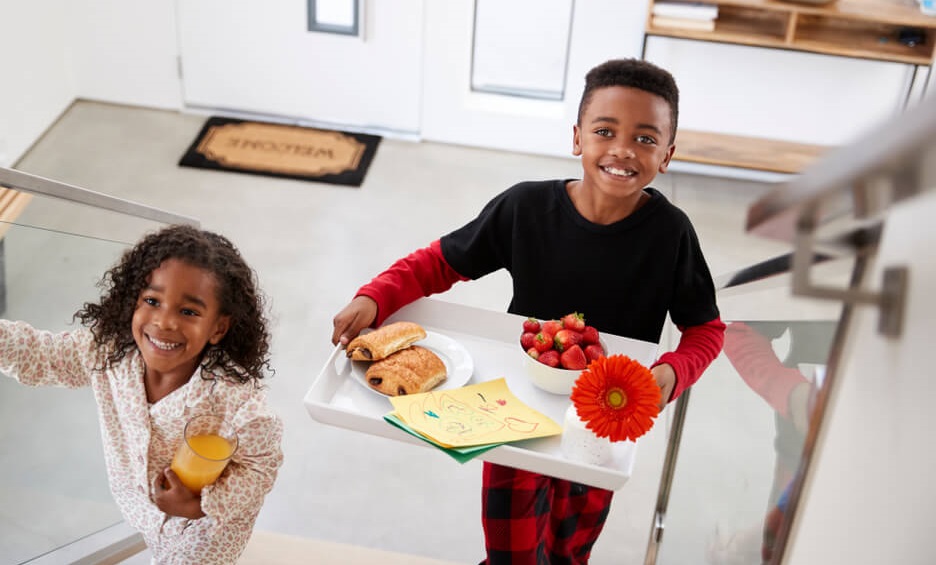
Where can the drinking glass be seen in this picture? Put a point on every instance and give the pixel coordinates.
(209, 443)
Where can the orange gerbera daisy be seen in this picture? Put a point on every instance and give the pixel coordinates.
(617, 398)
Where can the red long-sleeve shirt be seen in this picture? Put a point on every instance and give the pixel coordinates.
(425, 272)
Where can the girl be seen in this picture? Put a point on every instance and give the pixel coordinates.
(179, 331)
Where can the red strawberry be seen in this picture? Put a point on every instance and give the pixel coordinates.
(531, 325)
(593, 351)
(550, 358)
(574, 321)
(566, 338)
(550, 327)
(526, 340)
(589, 335)
(542, 343)
(532, 352)
(573, 358)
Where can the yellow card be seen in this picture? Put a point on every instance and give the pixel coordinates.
(473, 415)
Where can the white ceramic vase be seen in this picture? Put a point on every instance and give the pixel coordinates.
(580, 444)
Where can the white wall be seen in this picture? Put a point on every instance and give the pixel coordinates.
(778, 94)
(55, 51)
(124, 51)
(870, 499)
(37, 83)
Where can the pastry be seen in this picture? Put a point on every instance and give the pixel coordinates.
(384, 341)
(410, 371)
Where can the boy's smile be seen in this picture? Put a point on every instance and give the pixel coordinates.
(176, 316)
(624, 139)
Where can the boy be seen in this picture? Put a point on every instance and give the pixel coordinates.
(607, 246)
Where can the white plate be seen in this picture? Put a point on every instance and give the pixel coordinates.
(458, 363)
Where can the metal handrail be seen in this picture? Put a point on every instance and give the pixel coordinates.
(889, 164)
(666, 480)
(34, 184)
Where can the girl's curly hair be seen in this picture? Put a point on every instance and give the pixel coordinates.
(243, 353)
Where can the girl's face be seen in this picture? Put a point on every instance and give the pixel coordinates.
(624, 141)
(177, 315)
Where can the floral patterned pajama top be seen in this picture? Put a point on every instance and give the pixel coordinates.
(140, 439)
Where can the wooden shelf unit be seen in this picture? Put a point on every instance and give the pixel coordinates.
(745, 152)
(866, 29)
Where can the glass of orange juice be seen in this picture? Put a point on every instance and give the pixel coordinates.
(209, 443)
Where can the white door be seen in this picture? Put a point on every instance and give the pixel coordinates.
(260, 57)
(508, 74)
(512, 81)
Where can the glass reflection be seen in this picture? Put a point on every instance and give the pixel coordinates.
(783, 362)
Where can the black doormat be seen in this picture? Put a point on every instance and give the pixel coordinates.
(279, 150)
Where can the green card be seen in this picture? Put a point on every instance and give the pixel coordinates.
(460, 454)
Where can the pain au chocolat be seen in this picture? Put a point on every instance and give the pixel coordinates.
(409, 371)
(384, 341)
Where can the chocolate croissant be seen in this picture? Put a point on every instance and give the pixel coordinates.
(384, 341)
(410, 371)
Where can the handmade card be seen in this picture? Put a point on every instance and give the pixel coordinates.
(473, 415)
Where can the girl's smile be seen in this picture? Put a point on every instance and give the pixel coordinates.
(163, 345)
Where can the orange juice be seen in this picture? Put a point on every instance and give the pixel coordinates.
(200, 460)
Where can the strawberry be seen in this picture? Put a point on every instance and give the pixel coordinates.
(531, 325)
(542, 343)
(526, 340)
(550, 358)
(565, 339)
(550, 327)
(573, 358)
(589, 335)
(573, 321)
(532, 352)
(593, 351)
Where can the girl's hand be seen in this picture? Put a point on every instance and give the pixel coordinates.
(666, 378)
(174, 498)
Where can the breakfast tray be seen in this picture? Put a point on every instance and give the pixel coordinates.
(493, 341)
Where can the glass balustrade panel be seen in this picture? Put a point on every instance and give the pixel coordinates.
(53, 483)
(746, 423)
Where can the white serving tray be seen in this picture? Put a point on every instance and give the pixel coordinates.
(492, 339)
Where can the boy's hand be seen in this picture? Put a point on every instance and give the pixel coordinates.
(174, 498)
(666, 378)
(360, 313)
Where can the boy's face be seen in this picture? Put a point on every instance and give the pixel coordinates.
(624, 140)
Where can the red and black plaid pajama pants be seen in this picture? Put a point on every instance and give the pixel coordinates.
(534, 519)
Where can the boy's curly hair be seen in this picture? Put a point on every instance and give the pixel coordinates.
(242, 353)
(633, 73)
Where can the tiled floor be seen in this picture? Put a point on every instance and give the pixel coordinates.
(313, 245)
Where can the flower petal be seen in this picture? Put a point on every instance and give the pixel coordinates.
(627, 421)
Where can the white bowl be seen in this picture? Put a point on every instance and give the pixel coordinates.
(552, 379)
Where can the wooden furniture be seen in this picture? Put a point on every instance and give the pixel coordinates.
(865, 29)
(12, 203)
